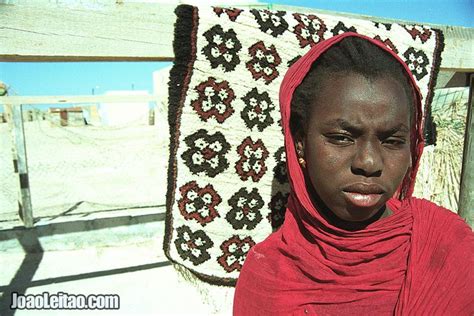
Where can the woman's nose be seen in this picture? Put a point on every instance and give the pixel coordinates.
(367, 160)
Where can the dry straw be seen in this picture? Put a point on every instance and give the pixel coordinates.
(440, 171)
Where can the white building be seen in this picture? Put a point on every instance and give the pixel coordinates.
(125, 113)
(160, 89)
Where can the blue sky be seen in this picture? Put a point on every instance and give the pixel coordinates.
(81, 78)
(450, 12)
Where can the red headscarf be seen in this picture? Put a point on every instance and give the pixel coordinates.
(417, 261)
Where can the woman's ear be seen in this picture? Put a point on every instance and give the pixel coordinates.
(299, 146)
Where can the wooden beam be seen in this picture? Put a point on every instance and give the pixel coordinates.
(48, 32)
(466, 192)
(443, 78)
(103, 31)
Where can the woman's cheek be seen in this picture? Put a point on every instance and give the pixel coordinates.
(333, 160)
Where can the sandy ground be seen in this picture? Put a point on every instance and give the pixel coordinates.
(73, 169)
(138, 273)
(85, 173)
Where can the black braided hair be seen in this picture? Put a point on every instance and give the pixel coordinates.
(350, 55)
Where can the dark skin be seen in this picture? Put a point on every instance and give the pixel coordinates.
(356, 147)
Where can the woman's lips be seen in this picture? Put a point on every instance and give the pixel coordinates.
(362, 200)
(363, 194)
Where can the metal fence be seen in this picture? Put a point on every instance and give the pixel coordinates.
(97, 154)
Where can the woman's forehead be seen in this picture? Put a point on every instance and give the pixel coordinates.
(359, 99)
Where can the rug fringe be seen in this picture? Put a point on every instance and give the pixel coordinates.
(219, 298)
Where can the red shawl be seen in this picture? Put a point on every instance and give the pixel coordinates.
(417, 261)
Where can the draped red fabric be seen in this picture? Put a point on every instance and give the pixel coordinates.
(418, 261)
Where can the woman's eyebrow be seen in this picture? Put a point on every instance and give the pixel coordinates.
(341, 123)
(398, 128)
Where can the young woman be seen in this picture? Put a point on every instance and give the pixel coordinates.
(354, 241)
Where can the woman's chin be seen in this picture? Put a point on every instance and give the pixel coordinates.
(351, 209)
(361, 214)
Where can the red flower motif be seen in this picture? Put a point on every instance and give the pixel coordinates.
(198, 203)
(215, 99)
(264, 62)
(310, 29)
(252, 159)
(234, 252)
(418, 31)
(232, 13)
(387, 43)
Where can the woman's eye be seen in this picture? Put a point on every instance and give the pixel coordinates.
(340, 139)
(395, 142)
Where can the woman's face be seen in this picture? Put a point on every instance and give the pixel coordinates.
(357, 144)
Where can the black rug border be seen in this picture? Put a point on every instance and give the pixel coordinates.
(184, 47)
(429, 128)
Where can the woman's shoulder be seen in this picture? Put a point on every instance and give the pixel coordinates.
(434, 219)
(423, 208)
(258, 275)
(265, 261)
(262, 251)
(442, 255)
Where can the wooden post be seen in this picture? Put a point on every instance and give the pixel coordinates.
(466, 192)
(9, 117)
(26, 209)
